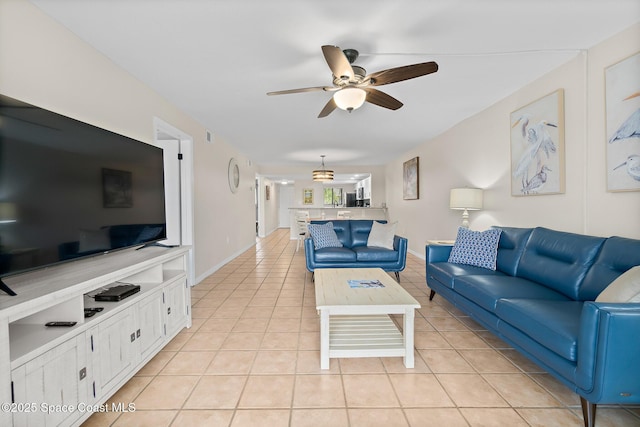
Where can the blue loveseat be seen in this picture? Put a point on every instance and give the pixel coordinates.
(540, 300)
(353, 234)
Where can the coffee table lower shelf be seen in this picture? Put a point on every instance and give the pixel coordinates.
(364, 336)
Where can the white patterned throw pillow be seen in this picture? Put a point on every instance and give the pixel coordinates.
(324, 236)
(381, 235)
(479, 248)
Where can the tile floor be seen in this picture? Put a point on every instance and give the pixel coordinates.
(251, 358)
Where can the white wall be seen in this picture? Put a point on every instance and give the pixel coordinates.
(476, 153)
(44, 64)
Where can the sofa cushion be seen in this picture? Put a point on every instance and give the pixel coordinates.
(553, 324)
(342, 229)
(381, 235)
(486, 290)
(324, 236)
(626, 288)
(335, 255)
(445, 272)
(360, 229)
(510, 248)
(375, 254)
(618, 254)
(479, 248)
(559, 260)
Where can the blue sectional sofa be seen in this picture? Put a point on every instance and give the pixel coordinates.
(353, 234)
(541, 300)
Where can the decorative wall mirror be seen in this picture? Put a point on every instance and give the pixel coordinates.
(234, 175)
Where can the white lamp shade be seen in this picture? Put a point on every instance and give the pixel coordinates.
(349, 98)
(465, 198)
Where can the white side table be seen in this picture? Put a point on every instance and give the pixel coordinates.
(441, 242)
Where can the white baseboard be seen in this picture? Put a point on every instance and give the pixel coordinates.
(218, 266)
(418, 254)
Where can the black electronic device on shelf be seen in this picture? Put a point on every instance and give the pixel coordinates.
(117, 293)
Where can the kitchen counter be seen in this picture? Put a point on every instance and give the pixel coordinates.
(329, 213)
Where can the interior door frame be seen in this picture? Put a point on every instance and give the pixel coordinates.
(163, 131)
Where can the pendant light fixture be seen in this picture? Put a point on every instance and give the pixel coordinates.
(323, 174)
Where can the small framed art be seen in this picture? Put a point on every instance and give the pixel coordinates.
(410, 179)
(307, 196)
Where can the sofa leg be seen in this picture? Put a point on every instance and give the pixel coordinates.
(398, 276)
(588, 412)
(432, 294)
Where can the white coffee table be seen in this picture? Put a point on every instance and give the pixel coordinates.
(355, 322)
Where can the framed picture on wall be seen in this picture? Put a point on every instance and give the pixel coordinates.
(267, 192)
(537, 147)
(410, 179)
(622, 104)
(307, 196)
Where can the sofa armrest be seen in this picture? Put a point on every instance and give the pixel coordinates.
(401, 245)
(609, 353)
(309, 253)
(438, 253)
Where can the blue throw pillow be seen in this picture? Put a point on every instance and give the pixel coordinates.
(479, 248)
(324, 236)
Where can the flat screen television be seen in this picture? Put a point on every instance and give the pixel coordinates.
(70, 190)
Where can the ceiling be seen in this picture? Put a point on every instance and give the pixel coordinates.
(217, 59)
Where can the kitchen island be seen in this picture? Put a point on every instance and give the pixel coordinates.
(329, 213)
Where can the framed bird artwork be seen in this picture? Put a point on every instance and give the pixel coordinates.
(622, 103)
(537, 147)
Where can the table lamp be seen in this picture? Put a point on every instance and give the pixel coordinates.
(465, 199)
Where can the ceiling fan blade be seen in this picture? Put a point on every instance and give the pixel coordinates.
(381, 99)
(328, 109)
(304, 89)
(338, 62)
(393, 75)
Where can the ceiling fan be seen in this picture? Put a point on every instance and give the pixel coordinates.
(352, 85)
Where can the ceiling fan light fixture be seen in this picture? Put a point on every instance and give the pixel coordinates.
(350, 98)
(323, 174)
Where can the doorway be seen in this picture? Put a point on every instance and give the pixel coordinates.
(178, 166)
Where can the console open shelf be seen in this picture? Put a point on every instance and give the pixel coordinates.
(105, 349)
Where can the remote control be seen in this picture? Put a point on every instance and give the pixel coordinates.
(67, 324)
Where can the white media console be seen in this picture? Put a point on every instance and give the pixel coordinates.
(57, 376)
